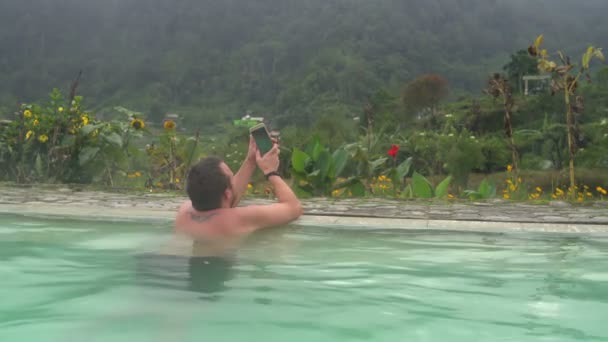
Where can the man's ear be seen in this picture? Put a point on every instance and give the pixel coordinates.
(227, 193)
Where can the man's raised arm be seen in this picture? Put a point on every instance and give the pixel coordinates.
(288, 207)
(243, 175)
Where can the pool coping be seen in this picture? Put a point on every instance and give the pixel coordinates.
(92, 213)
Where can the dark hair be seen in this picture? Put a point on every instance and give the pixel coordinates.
(206, 184)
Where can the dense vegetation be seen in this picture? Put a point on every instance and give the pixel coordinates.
(364, 93)
(290, 60)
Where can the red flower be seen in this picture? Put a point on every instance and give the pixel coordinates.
(393, 151)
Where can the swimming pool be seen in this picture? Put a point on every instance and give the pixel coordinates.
(66, 280)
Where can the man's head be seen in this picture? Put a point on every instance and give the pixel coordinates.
(210, 185)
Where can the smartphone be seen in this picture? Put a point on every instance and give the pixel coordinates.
(262, 138)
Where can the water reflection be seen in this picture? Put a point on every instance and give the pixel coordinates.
(206, 275)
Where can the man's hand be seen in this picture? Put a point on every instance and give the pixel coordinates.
(270, 161)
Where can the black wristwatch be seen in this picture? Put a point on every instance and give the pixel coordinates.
(273, 173)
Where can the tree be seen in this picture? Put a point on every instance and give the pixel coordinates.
(498, 86)
(425, 92)
(521, 64)
(565, 79)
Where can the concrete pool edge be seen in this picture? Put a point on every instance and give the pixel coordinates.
(165, 216)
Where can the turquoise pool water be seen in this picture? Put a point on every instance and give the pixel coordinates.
(94, 281)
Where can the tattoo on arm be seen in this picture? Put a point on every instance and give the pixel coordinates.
(201, 218)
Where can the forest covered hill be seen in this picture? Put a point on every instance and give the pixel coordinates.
(296, 60)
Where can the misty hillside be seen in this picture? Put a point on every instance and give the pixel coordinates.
(216, 59)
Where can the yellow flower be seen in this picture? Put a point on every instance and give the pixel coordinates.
(249, 186)
(512, 187)
(27, 114)
(580, 199)
(169, 124)
(588, 194)
(35, 122)
(509, 168)
(28, 135)
(538, 189)
(450, 196)
(60, 109)
(43, 138)
(138, 124)
(85, 120)
(506, 196)
(137, 174)
(177, 180)
(519, 180)
(601, 190)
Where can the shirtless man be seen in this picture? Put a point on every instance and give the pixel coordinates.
(211, 217)
(213, 227)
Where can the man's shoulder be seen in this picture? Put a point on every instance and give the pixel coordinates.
(217, 221)
(266, 215)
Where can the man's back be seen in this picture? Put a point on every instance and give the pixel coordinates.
(212, 219)
(215, 233)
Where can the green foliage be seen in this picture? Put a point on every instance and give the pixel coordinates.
(441, 191)
(454, 154)
(495, 150)
(169, 158)
(397, 175)
(486, 190)
(602, 78)
(267, 56)
(463, 156)
(421, 187)
(59, 141)
(335, 130)
(521, 64)
(368, 155)
(316, 170)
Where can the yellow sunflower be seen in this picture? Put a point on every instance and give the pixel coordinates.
(138, 124)
(35, 122)
(169, 124)
(85, 120)
(43, 138)
(27, 114)
(28, 135)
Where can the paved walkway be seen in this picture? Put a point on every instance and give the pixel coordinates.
(486, 216)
